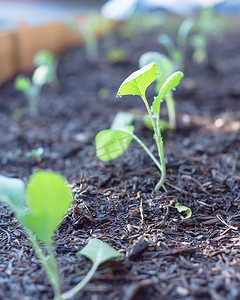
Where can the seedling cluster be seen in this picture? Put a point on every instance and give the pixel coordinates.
(43, 203)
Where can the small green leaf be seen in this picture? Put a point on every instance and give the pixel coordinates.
(138, 82)
(117, 55)
(110, 143)
(48, 198)
(184, 211)
(103, 93)
(167, 42)
(41, 75)
(122, 119)
(164, 65)
(22, 83)
(99, 252)
(183, 32)
(43, 57)
(171, 82)
(12, 192)
(35, 152)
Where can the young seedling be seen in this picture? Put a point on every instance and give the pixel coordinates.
(37, 153)
(117, 55)
(31, 89)
(113, 142)
(176, 50)
(39, 208)
(46, 58)
(88, 31)
(207, 25)
(184, 211)
(199, 43)
(165, 68)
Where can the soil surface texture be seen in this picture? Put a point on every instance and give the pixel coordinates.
(166, 257)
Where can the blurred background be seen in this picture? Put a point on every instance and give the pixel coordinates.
(35, 12)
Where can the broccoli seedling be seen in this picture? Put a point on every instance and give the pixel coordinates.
(111, 143)
(46, 58)
(32, 88)
(117, 55)
(208, 24)
(39, 208)
(176, 50)
(165, 68)
(87, 30)
(37, 153)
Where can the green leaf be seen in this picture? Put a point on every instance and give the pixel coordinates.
(43, 57)
(111, 143)
(12, 192)
(22, 83)
(167, 42)
(122, 119)
(164, 65)
(48, 198)
(184, 211)
(183, 32)
(35, 152)
(117, 55)
(41, 75)
(99, 252)
(138, 82)
(171, 82)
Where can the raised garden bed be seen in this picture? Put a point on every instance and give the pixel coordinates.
(197, 258)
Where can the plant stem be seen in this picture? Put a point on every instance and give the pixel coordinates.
(54, 268)
(145, 148)
(48, 266)
(159, 142)
(163, 165)
(81, 284)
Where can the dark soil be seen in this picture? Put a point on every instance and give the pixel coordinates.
(166, 257)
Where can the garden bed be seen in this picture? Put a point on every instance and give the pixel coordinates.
(198, 258)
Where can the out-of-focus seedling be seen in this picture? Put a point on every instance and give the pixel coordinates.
(207, 25)
(176, 50)
(31, 89)
(46, 58)
(103, 93)
(113, 142)
(165, 68)
(39, 208)
(117, 55)
(37, 153)
(88, 32)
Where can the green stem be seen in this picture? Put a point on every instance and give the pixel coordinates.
(56, 278)
(159, 142)
(163, 165)
(48, 266)
(81, 284)
(145, 148)
(150, 114)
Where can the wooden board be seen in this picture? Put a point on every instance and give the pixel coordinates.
(18, 48)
